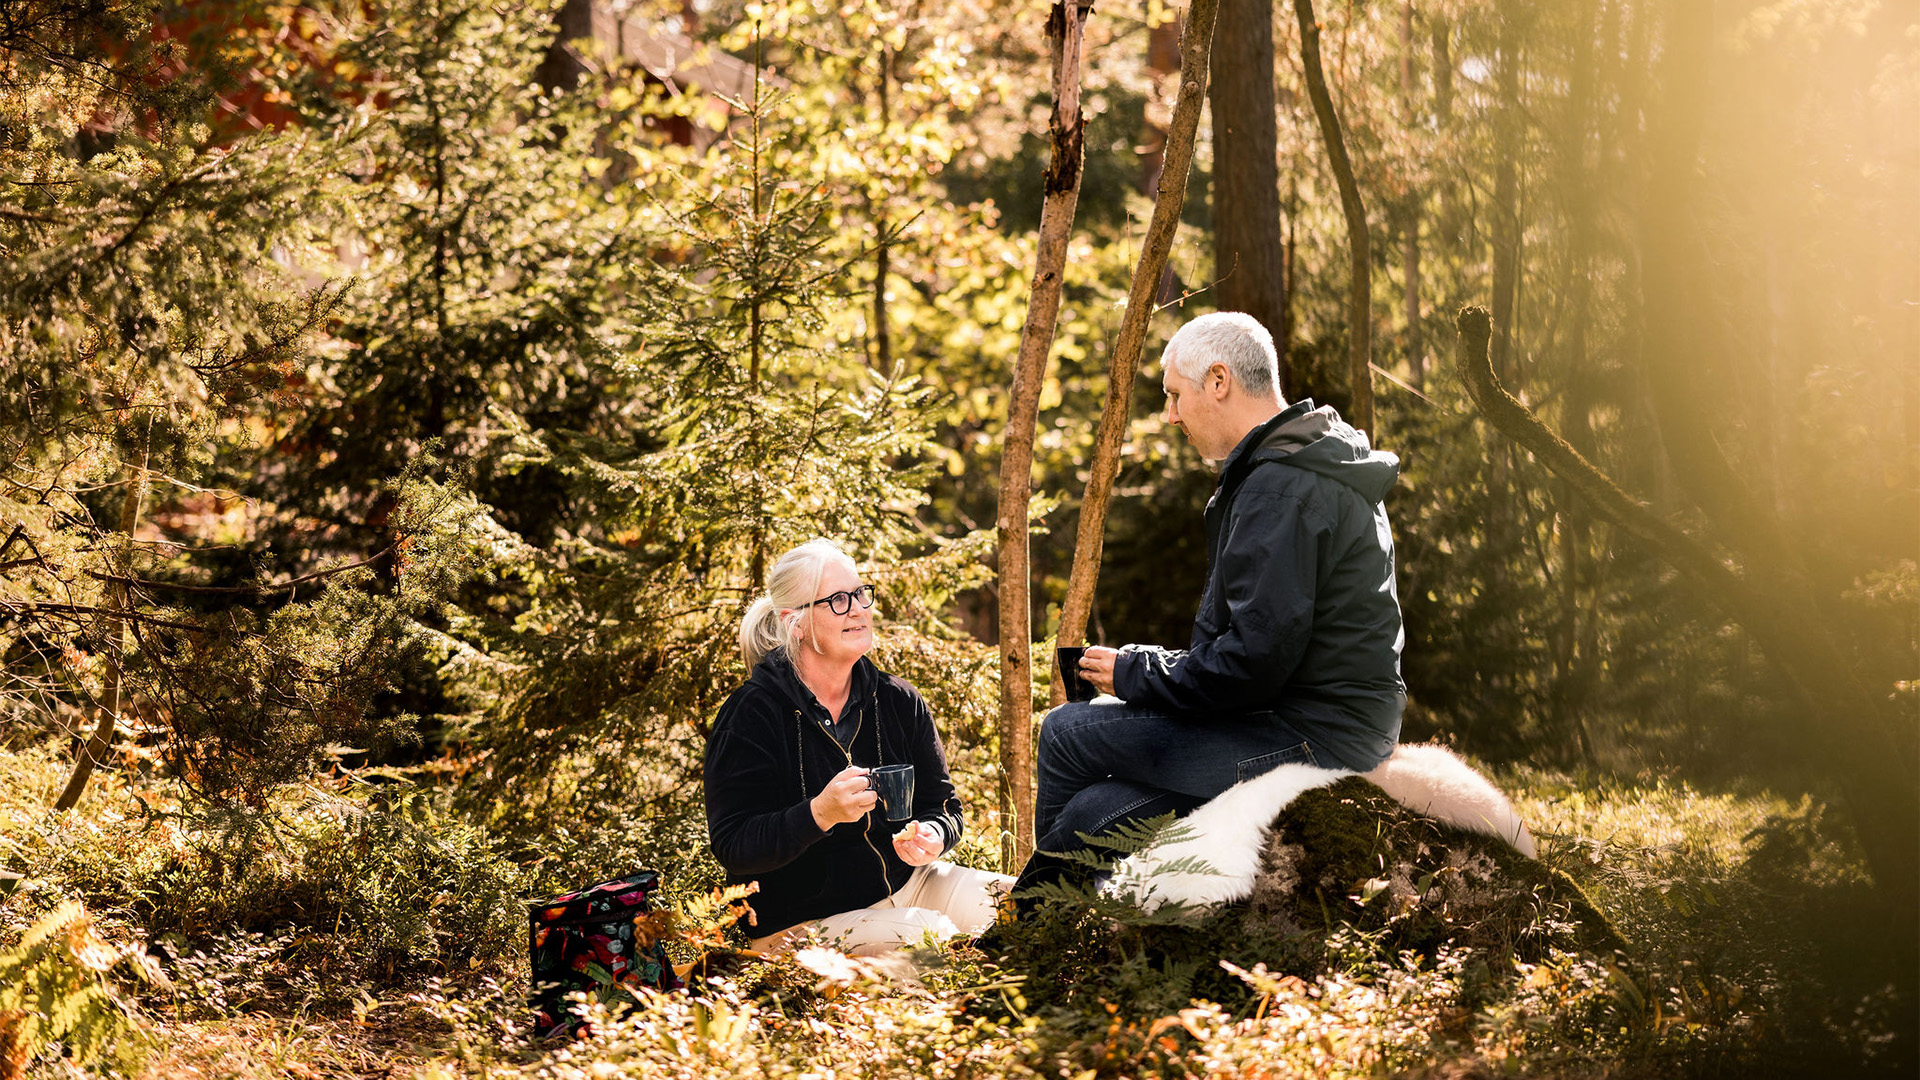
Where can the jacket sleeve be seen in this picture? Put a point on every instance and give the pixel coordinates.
(934, 798)
(1269, 569)
(750, 829)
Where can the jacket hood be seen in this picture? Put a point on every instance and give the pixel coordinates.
(1316, 439)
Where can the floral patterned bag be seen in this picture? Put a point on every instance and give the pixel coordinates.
(604, 939)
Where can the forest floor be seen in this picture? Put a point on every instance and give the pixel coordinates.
(275, 1045)
(1756, 949)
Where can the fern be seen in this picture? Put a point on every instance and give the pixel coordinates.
(1107, 850)
(57, 997)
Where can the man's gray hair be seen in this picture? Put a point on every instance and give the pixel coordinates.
(1232, 338)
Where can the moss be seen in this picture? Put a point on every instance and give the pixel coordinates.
(1342, 863)
(1349, 855)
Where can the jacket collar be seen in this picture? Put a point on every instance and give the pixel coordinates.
(1244, 452)
(776, 673)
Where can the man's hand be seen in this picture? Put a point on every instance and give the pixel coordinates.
(1096, 666)
(917, 843)
(847, 797)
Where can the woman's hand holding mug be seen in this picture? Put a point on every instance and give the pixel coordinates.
(847, 797)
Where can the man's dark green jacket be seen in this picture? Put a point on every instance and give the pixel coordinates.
(1300, 615)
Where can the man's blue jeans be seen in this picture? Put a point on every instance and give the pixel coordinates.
(1101, 764)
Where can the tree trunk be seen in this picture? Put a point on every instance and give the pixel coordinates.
(1117, 412)
(119, 597)
(1163, 59)
(1444, 230)
(1360, 275)
(1575, 665)
(1506, 180)
(1506, 257)
(882, 339)
(1246, 174)
(1065, 26)
(1410, 237)
(1283, 344)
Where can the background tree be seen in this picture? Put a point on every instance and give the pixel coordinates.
(156, 325)
(1062, 190)
(1195, 41)
(1247, 250)
(1359, 256)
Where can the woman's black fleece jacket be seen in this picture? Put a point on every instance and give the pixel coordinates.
(771, 752)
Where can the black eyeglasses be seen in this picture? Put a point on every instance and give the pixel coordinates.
(842, 602)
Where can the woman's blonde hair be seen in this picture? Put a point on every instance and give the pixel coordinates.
(792, 585)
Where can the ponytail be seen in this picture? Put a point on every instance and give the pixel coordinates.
(761, 632)
(791, 585)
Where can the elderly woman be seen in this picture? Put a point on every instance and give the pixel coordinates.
(789, 801)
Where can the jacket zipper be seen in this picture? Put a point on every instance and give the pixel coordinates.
(866, 835)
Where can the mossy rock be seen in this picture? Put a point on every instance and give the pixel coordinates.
(1350, 855)
(1343, 865)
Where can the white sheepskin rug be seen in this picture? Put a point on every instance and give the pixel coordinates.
(1212, 855)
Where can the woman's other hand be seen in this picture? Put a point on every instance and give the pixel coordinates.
(847, 797)
(918, 843)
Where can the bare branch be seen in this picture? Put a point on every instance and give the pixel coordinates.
(244, 590)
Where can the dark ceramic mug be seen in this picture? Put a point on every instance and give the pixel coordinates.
(1078, 688)
(894, 786)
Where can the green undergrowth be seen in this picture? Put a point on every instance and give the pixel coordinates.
(337, 892)
(1728, 933)
(1751, 915)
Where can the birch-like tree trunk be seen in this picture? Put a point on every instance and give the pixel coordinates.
(1360, 276)
(882, 359)
(1065, 27)
(1195, 42)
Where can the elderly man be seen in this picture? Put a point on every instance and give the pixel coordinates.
(1296, 645)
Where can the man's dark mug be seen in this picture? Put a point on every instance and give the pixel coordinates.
(1078, 688)
(894, 786)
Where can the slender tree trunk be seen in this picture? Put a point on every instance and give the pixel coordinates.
(1410, 237)
(1574, 662)
(757, 565)
(1289, 380)
(755, 326)
(1506, 257)
(1246, 172)
(1360, 275)
(1445, 229)
(1065, 26)
(1506, 181)
(882, 339)
(1163, 60)
(119, 598)
(1117, 413)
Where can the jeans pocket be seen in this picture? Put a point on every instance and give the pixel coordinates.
(1266, 763)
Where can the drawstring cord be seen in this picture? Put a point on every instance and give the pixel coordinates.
(880, 758)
